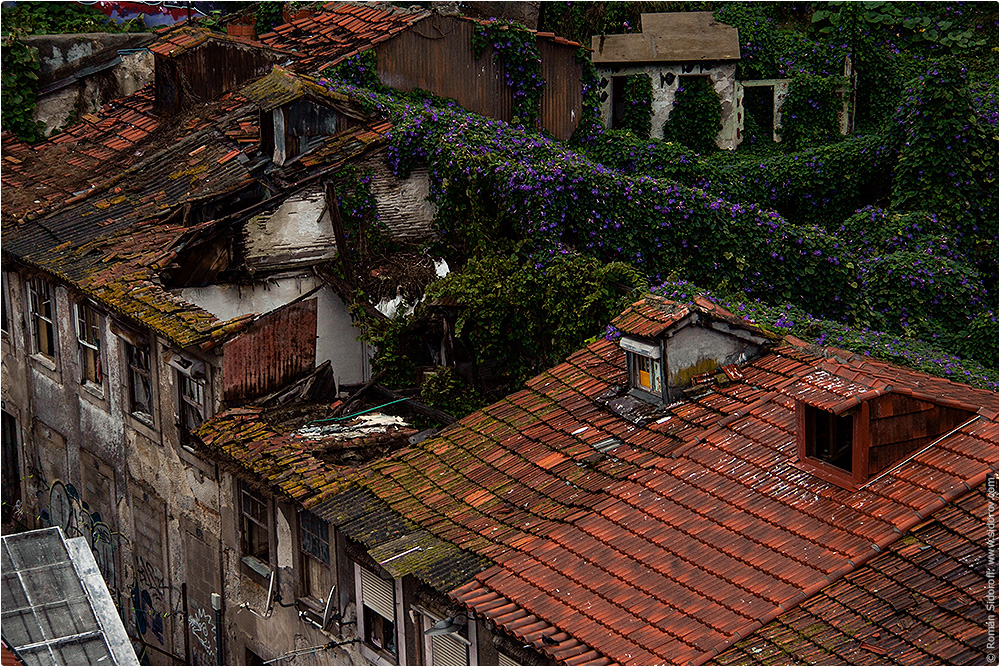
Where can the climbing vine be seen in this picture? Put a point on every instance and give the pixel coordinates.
(360, 69)
(517, 48)
(696, 117)
(809, 114)
(20, 87)
(638, 95)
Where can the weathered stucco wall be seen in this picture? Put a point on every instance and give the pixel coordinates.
(666, 78)
(697, 349)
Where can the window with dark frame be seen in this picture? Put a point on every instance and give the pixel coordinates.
(88, 336)
(192, 406)
(830, 438)
(315, 534)
(41, 312)
(254, 526)
(140, 383)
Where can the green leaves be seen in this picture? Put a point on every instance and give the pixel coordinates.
(19, 81)
(696, 117)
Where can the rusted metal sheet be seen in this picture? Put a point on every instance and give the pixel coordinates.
(436, 55)
(562, 103)
(203, 73)
(273, 351)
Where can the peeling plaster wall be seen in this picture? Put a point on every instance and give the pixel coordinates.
(299, 231)
(337, 336)
(696, 349)
(127, 488)
(666, 78)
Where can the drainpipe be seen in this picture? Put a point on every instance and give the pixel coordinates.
(217, 606)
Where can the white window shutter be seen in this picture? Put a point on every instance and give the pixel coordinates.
(377, 595)
(446, 650)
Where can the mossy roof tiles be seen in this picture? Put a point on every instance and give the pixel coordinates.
(648, 557)
(922, 601)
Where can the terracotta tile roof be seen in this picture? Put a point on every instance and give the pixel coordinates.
(652, 315)
(179, 38)
(342, 30)
(671, 541)
(97, 148)
(921, 602)
(337, 32)
(288, 459)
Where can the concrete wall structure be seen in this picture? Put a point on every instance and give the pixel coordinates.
(80, 73)
(666, 79)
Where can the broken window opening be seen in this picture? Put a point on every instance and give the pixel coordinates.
(618, 102)
(758, 110)
(255, 527)
(830, 438)
(647, 374)
(192, 407)
(88, 336)
(140, 389)
(41, 309)
(5, 323)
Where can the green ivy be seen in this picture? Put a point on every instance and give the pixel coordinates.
(809, 113)
(267, 16)
(516, 48)
(360, 69)
(20, 86)
(696, 117)
(638, 104)
(446, 391)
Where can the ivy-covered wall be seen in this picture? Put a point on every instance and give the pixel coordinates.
(666, 78)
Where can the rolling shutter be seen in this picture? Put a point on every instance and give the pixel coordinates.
(506, 661)
(377, 595)
(446, 650)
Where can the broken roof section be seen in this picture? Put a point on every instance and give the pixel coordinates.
(662, 543)
(673, 37)
(56, 607)
(115, 239)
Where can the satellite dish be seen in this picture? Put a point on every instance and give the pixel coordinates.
(447, 626)
(329, 607)
(270, 595)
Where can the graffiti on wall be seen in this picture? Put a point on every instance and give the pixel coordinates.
(68, 510)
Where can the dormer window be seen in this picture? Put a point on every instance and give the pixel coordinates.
(855, 441)
(645, 363)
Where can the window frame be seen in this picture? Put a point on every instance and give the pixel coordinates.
(249, 525)
(365, 614)
(309, 559)
(851, 480)
(85, 346)
(7, 320)
(637, 352)
(33, 287)
(132, 350)
(186, 402)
